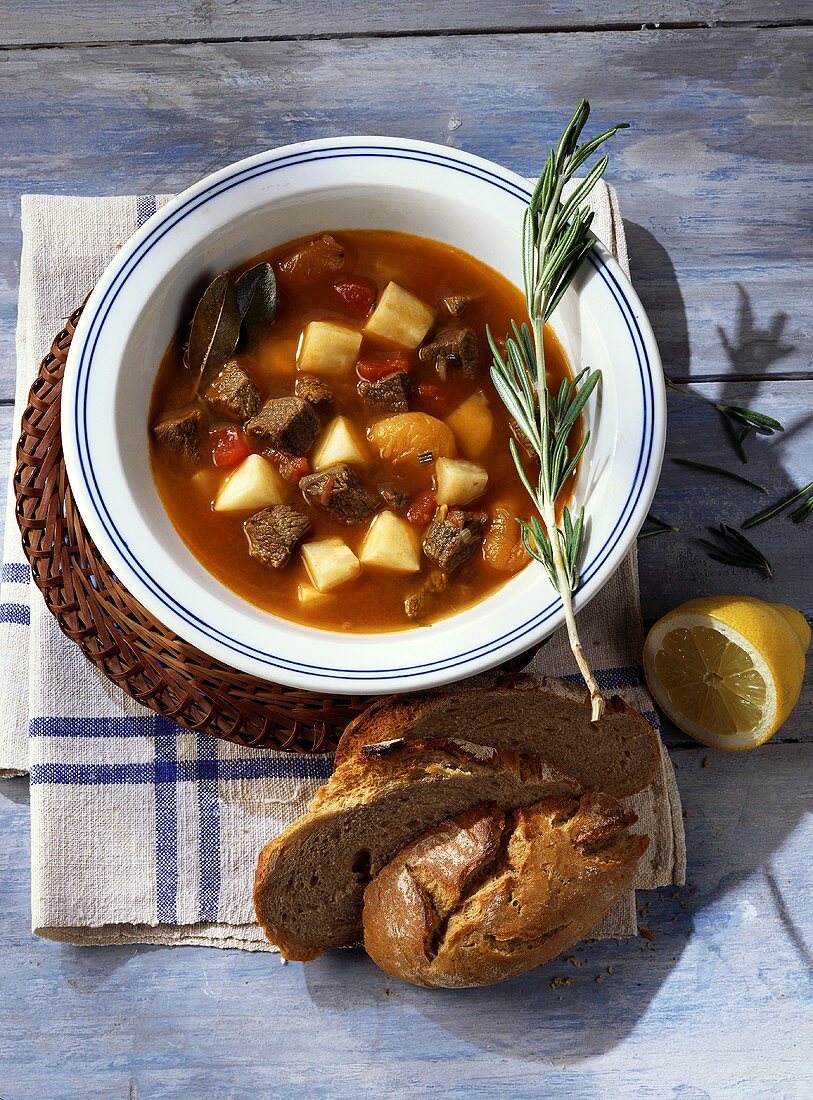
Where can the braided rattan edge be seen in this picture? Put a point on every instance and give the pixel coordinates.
(119, 636)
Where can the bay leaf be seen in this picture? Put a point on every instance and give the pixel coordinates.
(215, 329)
(257, 303)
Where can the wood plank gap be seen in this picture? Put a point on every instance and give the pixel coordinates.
(702, 379)
(453, 32)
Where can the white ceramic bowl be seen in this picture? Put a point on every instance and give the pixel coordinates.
(263, 201)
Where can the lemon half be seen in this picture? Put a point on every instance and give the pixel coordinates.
(727, 670)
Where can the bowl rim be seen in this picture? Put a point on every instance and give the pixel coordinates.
(440, 670)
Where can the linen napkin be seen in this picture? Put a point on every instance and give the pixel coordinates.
(140, 831)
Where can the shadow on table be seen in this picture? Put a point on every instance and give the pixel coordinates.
(570, 1010)
(691, 500)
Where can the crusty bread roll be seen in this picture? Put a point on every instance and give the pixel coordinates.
(487, 895)
(411, 762)
(310, 880)
(546, 718)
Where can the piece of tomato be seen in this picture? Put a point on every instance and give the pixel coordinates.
(357, 294)
(376, 366)
(421, 510)
(434, 398)
(291, 467)
(229, 446)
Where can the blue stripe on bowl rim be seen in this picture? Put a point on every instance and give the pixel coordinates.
(269, 163)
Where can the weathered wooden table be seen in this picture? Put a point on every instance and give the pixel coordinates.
(715, 181)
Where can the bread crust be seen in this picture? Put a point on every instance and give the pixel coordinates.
(361, 793)
(546, 718)
(486, 895)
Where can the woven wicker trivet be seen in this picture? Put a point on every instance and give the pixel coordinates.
(118, 635)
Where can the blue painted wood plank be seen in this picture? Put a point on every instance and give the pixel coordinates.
(714, 172)
(63, 21)
(718, 1004)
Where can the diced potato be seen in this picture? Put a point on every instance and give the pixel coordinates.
(472, 424)
(330, 562)
(403, 438)
(328, 348)
(306, 593)
(339, 443)
(254, 484)
(391, 543)
(400, 317)
(459, 481)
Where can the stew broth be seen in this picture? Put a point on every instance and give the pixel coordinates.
(374, 600)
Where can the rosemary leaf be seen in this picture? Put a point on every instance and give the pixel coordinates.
(659, 528)
(737, 437)
(692, 465)
(801, 513)
(777, 507)
(760, 422)
(733, 548)
(653, 532)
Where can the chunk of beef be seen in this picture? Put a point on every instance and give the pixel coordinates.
(274, 532)
(389, 394)
(418, 604)
(339, 491)
(180, 432)
(454, 346)
(309, 262)
(453, 536)
(288, 423)
(457, 303)
(313, 390)
(233, 394)
(393, 498)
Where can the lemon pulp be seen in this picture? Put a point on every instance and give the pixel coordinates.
(728, 670)
(711, 680)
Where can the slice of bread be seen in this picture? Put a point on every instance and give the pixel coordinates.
(309, 884)
(619, 755)
(488, 895)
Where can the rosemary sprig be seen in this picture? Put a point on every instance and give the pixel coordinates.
(780, 505)
(692, 465)
(555, 240)
(658, 528)
(733, 548)
(739, 422)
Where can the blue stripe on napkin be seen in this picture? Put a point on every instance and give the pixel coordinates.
(121, 726)
(15, 573)
(166, 820)
(183, 771)
(15, 613)
(208, 831)
(145, 208)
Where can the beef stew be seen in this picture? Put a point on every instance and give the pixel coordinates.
(348, 466)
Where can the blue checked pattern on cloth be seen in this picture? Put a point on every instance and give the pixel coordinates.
(142, 831)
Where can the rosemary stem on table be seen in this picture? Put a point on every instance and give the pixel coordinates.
(720, 471)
